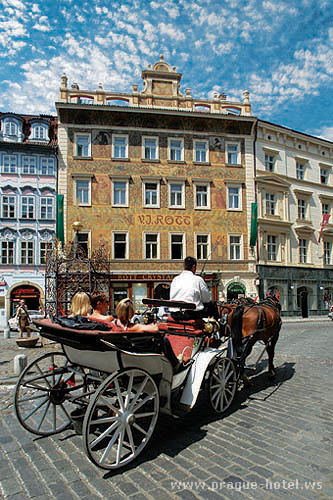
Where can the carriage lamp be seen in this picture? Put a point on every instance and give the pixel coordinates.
(291, 287)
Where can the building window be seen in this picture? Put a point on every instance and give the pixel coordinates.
(47, 166)
(46, 207)
(176, 195)
(150, 148)
(325, 209)
(120, 193)
(235, 247)
(323, 176)
(27, 252)
(83, 192)
(270, 204)
(232, 152)
(202, 196)
(85, 100)
(39, 132)
(29, 165)
(120, 246)
(9, 164)
(269, 162)
(7, 252)
(11, 128)
(8, 207)
(202, 246)
(151, 194)
(152, 246)
(300, 170)
(234, 198)
(82, 145)
(271, 247)
(303, 251)
(176, 149)
(177, 246)
(82, 239)
(44, 248)
(201, 151)
(28, 207)
(119, 146)
(301, 209)
(328, 253)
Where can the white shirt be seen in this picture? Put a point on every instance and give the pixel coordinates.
(189, 287)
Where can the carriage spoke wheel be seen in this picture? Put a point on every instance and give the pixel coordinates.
(44, 394)
(121, 418)
(222, 385)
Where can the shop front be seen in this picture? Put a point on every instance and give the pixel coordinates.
(29, 293)
(235, 291)
(139, 286)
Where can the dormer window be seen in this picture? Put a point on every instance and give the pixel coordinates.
(39, 132)
(11, 130)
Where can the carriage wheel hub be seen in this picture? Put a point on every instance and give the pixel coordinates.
(129, 418)
(57, 394)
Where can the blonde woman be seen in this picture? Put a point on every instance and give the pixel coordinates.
(80, 305)
(125, 312)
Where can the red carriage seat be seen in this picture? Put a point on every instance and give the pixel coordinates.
(180, 343)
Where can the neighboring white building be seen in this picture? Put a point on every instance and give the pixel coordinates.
(294, 184)
(28, 173)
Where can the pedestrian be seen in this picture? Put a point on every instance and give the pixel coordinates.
(23, 319)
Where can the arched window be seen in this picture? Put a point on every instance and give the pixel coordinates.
(39, 132)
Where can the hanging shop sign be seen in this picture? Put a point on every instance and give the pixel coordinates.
(236, 287)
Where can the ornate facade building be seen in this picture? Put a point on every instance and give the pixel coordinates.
(28, 184)
(294, 180)
(156, 175)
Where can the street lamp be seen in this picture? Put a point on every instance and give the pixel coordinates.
(76, 226)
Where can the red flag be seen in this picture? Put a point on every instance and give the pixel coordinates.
(323, 224)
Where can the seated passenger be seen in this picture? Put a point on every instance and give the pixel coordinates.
(80, 305)
(100, 304)
(125, 311)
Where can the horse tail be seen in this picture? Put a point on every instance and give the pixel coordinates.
(236, 326)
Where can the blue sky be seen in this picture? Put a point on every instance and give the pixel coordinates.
(281, 51)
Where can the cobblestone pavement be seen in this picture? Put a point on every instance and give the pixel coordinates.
(273, 443)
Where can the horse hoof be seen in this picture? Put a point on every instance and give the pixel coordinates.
(271, 374)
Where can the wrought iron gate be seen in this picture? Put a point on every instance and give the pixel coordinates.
(69, 270)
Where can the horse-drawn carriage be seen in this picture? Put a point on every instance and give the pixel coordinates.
(119, 382)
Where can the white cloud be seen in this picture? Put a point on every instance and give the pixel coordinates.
(325, 132)
(14, 3)
(171, 31)
(41, 27)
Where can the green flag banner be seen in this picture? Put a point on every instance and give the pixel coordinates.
(254, 224)
(60, 217)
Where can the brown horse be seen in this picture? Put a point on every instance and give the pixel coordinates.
(250, 322)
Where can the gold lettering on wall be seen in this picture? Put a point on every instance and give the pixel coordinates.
(164, 220)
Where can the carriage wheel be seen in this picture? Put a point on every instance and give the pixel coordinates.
(121, 418)
(222, 385)
(44, 392)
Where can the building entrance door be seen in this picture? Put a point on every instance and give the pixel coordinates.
(302, 301)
